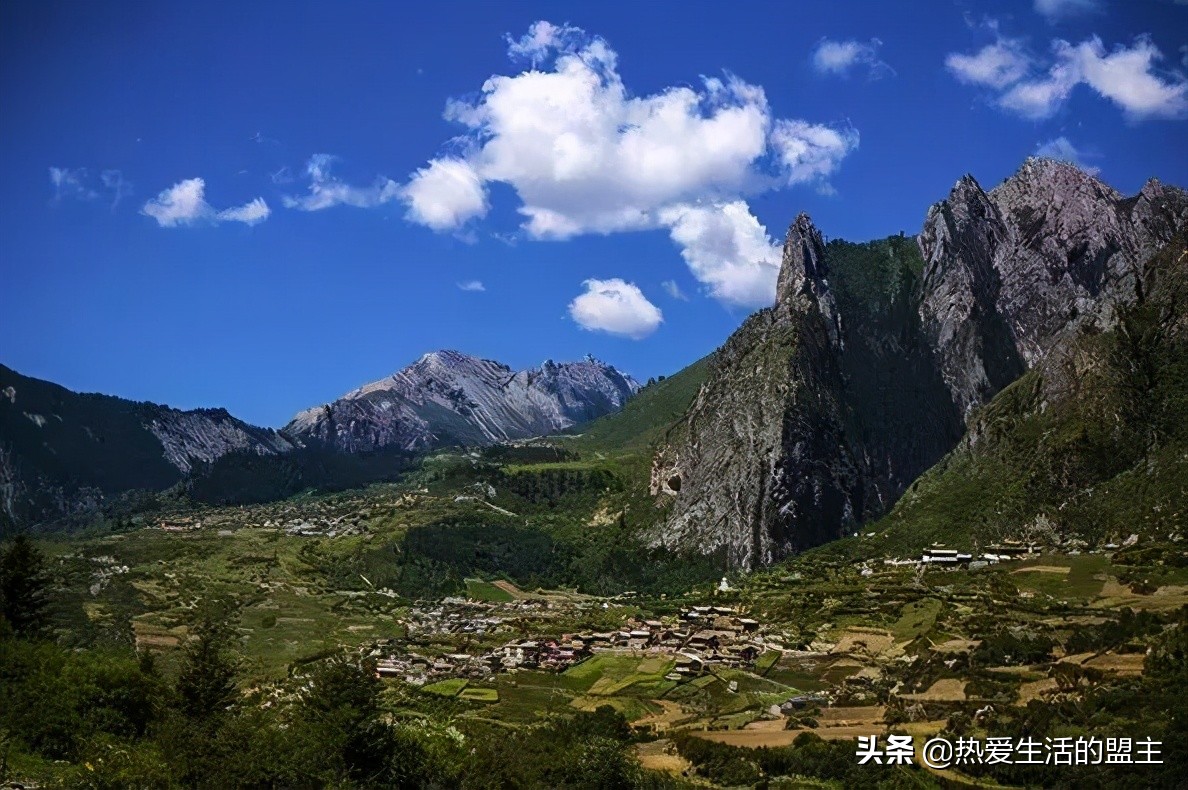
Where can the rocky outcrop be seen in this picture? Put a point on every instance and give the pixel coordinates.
(205, 435)
(819, 412)
(450, 398)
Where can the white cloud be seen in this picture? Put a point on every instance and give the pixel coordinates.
(585, 155)
(184, 203)
(615, 307)
(252, 213)
(1058, 9)
(1062, 148)
(1126, 76)
(810, 152)
(541, 38)
(472, 285)
(326, 190)
(997, 65)
(839, 57)
(444, 195)
(727, 250)
(674, 290)
(1041, 98)
(71, 183)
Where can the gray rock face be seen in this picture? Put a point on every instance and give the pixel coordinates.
(205, 435)
(1012, 273)
(819, 412)
(447, 397)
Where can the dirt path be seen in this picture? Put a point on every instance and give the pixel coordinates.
(510, 589)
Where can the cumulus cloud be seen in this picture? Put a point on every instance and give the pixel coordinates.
(1058, 9)
(585, 155)
(445, 194)
(840, 57)
(472, 285)
(184, 203)
(727, 250)
(1127, 76)
(810, 152)
(615, 307)
(674, 290)
(326, 190)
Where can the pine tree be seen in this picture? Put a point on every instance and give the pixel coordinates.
(23, 583)
(206, 684)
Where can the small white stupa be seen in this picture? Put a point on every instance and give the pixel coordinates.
(723, 586)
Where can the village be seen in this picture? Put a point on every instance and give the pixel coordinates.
(941, 556)
(697, 640)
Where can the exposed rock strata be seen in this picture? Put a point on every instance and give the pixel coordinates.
(447, 397)
(820, 411)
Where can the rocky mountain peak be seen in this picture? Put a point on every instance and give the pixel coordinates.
(803, 283)
(803, 265)
(794, 439)
(451, 398)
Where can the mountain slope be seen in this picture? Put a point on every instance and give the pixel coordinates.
(1092, 442)
(63, 452)
(819, 412)
(645, 418)
(448, 398)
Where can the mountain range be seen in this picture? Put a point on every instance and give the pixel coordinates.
(1017, 364)
(449, 398)
(64, 453)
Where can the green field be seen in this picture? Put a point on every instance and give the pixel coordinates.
(480, 590)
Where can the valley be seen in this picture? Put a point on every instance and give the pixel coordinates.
(828, 645)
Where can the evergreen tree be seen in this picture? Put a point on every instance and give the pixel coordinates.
(206, 684)
(23, 583)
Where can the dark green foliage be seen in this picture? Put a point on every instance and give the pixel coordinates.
(435, 560)
(82, 442)
(528, 454)
(247, 477)
(1154, 706)
(809, 756)
(558, 485)
(206, 684)
(55, 701)
(340, 709)
(23, 583)
(585, 750)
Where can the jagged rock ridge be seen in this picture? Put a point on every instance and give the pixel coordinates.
(447, 398)
(819, 412)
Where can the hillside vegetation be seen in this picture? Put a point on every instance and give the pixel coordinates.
(1092, 445)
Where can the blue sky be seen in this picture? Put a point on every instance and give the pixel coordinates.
(264, 205)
